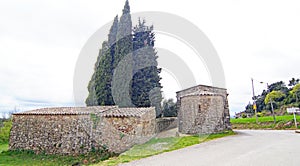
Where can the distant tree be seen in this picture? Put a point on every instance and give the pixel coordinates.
(278, 86)
(296, 92)
(260, 104)
(280, 95)
(249, 108)
(293, 82)
(275, 97)
(169, 108)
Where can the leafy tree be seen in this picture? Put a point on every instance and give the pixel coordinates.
(169, 108)
(275, 97)
(280, 95)
(278, 86)
(296, 92)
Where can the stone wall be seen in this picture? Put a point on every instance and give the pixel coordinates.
(203, 110)
(166, 123)
(120, 134)
(80, 133)
(63, 134)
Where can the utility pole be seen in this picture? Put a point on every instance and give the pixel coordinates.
(254, 103)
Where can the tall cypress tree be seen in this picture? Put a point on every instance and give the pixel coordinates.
(100, 84)
(146, 87)
(122, 60)
(124, 37)
(126, 71)
(92, 98)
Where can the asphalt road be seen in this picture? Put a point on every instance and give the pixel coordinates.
(248, 147)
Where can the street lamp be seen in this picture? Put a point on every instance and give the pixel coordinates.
(271, 102)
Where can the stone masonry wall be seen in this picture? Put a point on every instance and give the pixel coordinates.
(166, 123)
(119, 134)
(61, 134)
(79, 134)
(204, 116)
(203, 110)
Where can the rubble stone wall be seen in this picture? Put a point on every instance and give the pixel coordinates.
(60, 134)
(79, 134)
(203, 110)
(166, 123)
(119, 134)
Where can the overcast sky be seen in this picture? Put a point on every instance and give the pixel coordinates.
(40, 42)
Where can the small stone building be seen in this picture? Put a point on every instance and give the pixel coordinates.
(77, 130)
(203, 110)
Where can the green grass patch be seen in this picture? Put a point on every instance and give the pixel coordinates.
(4, 131)
(284, 118)
(28, 157)
(160, 145)
(267, 122)
(3, 147)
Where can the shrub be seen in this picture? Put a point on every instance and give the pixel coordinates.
(244, 115)
(4, 131)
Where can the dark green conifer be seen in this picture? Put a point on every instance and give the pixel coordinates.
(126, 72)
(146, 87)
(122, 60)
(100, 84)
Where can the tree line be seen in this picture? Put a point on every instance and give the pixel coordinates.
(279, 94)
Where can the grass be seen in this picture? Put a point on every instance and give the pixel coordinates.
(27, 157)
(160, 145)
(267, 122)
(284, 118)
(3, 147)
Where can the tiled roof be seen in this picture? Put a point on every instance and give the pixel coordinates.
(105, 111)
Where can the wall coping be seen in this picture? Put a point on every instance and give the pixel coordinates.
(104, 111)
(207, 86)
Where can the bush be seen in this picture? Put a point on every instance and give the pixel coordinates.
(259, 114)
(244, 115)
(4, 131)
